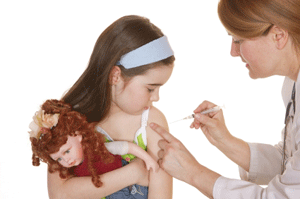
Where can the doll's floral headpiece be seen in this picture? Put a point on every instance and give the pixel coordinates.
(42, 121)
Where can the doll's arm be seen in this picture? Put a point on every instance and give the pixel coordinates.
(124, 147)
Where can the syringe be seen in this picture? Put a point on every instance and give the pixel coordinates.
(214, 109)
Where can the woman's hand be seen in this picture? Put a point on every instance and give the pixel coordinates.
(141, 171)
(212, 125)
(175, 159)
(214, 128)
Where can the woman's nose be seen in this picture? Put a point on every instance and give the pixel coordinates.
(235, 49)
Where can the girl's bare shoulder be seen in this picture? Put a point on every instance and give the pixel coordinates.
(156, 116)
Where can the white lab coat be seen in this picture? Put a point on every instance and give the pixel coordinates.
(265, 164)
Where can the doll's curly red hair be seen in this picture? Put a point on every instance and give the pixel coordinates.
(52, 139)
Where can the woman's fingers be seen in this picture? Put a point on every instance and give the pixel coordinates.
(204, 106)
(161, 131)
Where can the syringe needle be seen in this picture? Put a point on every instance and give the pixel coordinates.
(214, 109)
(188, 117)
(175, 121)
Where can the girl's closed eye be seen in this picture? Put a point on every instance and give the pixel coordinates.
(150, 90)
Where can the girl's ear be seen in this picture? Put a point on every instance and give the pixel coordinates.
(280, 36)
(115, 75)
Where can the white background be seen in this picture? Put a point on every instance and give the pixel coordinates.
(45, 46)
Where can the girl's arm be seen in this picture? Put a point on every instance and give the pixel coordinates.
(161, 183)
(124, 147)
(82, 187)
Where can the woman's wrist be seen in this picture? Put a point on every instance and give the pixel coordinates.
(225, 144)
(237, 150)
(204, 180)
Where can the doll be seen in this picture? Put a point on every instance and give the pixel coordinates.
(62, 138)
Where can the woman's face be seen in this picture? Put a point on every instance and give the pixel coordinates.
(259, 54)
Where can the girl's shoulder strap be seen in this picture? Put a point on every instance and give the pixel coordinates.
(145, 116)
(140, 137)
(100, 130)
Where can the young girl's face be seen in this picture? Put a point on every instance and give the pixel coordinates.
(71, 153)
(141, 90)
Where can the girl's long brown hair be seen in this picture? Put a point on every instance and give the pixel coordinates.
(91, 94)
(51, 140)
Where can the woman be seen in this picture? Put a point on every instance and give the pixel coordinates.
(266, 36)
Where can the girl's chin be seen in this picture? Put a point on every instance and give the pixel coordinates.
(137, 111)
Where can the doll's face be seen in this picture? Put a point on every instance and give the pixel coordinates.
(71, 153)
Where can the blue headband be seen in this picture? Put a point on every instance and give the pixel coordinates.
(151, 52)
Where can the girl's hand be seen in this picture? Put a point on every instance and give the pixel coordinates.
(212, 124)
(141, 171)
(151, 164)
(139, 152)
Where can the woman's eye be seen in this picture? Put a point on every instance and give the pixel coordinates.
(237, 41)
(59, 159)
(67, 151)
(150, 90)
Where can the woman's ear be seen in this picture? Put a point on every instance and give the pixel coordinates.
(115, 75)
(280, 36)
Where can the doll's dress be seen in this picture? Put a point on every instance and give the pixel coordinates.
(140, 138)
(100, 166)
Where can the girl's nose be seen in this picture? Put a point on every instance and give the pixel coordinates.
(235, 49)
(155, 96)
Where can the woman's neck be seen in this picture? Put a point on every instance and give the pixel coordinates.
(292, 63)
(295, 70)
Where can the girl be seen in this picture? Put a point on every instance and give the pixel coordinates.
(131, 60)
(68, 143)
(266, 36)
